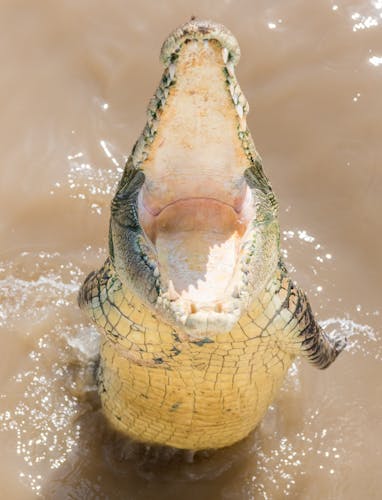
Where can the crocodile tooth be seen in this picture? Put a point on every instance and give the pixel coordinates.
(243, 124)
(156, 273)
(239, 109)
(152, 106)
(172, 294)
(171, 71)
(230, 68)
(242, 100)
(225, 54)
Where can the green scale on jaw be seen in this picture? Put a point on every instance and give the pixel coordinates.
(200, 319)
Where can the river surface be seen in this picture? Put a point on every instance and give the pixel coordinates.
(75, 81)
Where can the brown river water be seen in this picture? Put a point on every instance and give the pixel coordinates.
(75, 81)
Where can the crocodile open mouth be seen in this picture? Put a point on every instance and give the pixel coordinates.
(194, 230)
(195, 204)
(198, 243)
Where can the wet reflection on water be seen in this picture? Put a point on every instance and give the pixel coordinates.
(312, 76)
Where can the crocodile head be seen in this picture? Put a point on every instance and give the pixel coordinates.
(194, 229)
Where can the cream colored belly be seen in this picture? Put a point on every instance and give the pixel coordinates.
(206, 396)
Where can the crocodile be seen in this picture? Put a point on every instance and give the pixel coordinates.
(200, 320)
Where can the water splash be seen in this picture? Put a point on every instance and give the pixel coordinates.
(89, 182)
(37, 293)
(367, 16)
(359, 336)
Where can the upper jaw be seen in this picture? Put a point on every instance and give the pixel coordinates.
(201, 35)
(193, 149)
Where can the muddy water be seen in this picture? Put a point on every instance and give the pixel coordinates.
(74, 83)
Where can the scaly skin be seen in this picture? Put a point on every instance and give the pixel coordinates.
(168, 376)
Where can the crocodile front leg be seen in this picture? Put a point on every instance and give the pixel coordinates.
(108, 303)
(301, 332)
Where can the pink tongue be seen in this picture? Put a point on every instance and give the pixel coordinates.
(156, 197)
(192, 215)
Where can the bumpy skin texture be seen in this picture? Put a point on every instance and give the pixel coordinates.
(157, 383)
